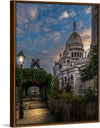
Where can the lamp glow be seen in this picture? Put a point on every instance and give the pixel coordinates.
(21, 58)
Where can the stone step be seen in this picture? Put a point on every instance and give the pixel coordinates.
(33, 107)
(38, 106)
(36, 102)
(32, 100)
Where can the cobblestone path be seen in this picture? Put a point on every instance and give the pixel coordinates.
(36, 112)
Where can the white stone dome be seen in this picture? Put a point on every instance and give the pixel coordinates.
(74, 38)
(74, 43)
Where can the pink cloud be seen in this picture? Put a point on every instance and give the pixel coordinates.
(86, 38)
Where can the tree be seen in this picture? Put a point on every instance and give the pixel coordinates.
(68, 89)
(89, 95)
(55, 84)
(54, 88)
(91, 70)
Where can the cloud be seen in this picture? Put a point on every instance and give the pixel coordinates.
(72, 13)
(57, 36)
(87, 10)
(86, 38)
(33, 12)
(25, 13)
(54, 35)
(46, 29)
(20, 32)
(33, 27)
(64, 15)
(49, 20)
(56, 58)
(40, 42)
(80, 24)
(45, 51)
(21, 18)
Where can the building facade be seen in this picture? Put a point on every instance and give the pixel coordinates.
(68, 67)
(36, 65)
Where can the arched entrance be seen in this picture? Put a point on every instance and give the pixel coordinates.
(34, 86)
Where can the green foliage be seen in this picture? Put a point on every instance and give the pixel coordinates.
(54, 88)
(65, 97)
(68, 88)
(70, 98)
(27, 73)
(42, 77)
(55, 84)
(29, 93)
(89, 95)
(91, 70)
(94, 59)
(76, 99)
(55, 94)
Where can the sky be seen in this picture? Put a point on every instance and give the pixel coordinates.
(42, 30)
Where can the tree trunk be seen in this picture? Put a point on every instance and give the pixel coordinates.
(26, 91)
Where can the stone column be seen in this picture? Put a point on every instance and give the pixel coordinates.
(76, 83)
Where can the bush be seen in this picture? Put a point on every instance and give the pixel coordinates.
(55, 94)
(29, 93)
(76, 99)
(68, 88)
(90, 95)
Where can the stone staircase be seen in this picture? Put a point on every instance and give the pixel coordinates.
(36, 106)
(35, 103)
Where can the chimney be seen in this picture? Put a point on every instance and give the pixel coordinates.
(37, 61)
(33, 61)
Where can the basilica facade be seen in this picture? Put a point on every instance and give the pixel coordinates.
(71, 62)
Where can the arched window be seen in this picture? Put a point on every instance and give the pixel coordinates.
(71, 77)
(65, 79)
(68, 61)
(64, 61)
(75, 54)
(81, 54)
(72, 54)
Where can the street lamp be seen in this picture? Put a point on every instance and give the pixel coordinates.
(21, 59)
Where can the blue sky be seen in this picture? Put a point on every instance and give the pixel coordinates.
(43, 29)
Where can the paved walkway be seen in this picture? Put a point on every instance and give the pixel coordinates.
(36, 112)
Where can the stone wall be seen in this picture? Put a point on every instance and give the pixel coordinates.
(87, 84)
(94, 24)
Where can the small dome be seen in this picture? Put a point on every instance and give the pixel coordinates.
(66, 51)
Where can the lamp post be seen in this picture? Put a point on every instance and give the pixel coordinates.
(21, 58)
